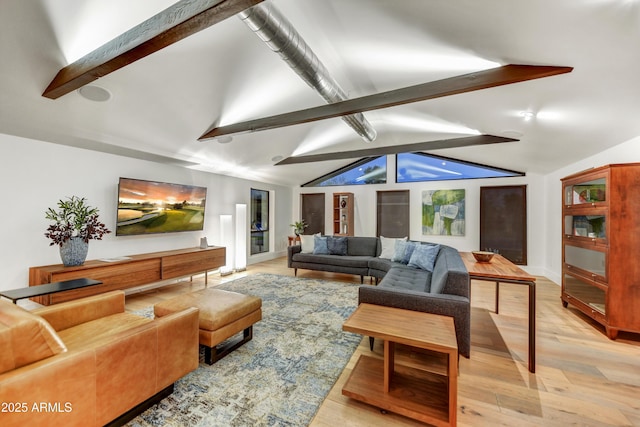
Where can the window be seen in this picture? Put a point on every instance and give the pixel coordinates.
(259, 221)
(370, 170)
(417, 167)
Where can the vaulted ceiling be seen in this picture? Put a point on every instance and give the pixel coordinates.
(162, 104)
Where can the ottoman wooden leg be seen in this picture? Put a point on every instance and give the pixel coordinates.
(212, 355)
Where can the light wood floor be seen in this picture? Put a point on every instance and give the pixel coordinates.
(582, 378)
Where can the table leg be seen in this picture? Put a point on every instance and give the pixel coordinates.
(497, 297)
(452, 385)
(389, 354)
(532, 327)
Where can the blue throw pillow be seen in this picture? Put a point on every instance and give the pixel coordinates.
(424, 257)
(337, 245)
(398, 251)
(320, 245)
(403, 251)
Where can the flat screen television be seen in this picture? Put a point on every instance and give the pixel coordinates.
(149, 207)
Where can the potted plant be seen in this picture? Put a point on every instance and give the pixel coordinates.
(298, 227)
(74, 224)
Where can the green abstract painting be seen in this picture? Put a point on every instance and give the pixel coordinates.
(443, 212)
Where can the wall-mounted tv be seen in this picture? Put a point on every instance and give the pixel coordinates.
(148, 207)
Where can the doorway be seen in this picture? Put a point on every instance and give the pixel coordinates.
(312, 212)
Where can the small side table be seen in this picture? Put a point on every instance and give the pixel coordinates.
(293, 240)
(411, 391)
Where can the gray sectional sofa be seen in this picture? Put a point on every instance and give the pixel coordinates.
(444, 291)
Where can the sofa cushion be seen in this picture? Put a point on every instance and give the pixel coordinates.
(343, 261)
(320, 245)
(93, 333)
(337, 245)
(362, 246)
(388, 245)
(403, 251)
(25, 338)
(424, 256)
(407, 278)
(383, 264)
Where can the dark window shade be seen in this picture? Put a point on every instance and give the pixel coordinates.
(503, 221)
(312, 212)
(392, 213)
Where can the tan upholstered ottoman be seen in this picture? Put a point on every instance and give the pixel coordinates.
(222, 315)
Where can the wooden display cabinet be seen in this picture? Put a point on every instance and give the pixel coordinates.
(600, 241)
(343, 214)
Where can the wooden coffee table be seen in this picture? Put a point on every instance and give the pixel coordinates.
(409, 391)
(502, 270)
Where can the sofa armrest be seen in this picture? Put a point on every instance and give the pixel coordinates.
(71, 313)
(178, 348)
(67, 380)
(146, 358)
(291, 251)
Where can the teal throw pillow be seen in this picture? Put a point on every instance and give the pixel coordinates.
(320, 245)
(337, 245)
(424, 257)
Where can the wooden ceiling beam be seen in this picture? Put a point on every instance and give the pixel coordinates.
(173, 24)
(504, 75)
(395, 149)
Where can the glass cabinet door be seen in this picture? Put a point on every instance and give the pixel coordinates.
(586, 192)
(592, 226)
(591, 261)
(593, 296)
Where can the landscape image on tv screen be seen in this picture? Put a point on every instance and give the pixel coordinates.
(147, 207)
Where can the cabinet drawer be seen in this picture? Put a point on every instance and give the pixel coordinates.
(191, 263)
(592, 296)
(586, 262)
(125, 275)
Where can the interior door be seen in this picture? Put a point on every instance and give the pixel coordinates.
(392, 210)
(312, 212)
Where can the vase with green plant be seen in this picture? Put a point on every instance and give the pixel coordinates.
(74, 224)
(298, 227)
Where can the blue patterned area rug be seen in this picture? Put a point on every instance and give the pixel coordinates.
(283, 374)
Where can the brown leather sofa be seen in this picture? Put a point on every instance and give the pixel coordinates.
(89, 363)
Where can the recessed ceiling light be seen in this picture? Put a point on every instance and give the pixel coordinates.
(94, 93)
(224, 139)
(527, 115)
(277, 158)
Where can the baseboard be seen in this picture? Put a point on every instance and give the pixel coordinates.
(266, 256)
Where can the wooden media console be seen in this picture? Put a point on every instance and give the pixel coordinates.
(128, 272)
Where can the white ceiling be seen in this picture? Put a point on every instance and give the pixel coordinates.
(225, 74)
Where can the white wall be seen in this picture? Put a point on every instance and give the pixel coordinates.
(628, 152)
(365, 210)
(34, 175)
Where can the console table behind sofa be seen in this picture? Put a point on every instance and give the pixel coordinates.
(134, 271)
